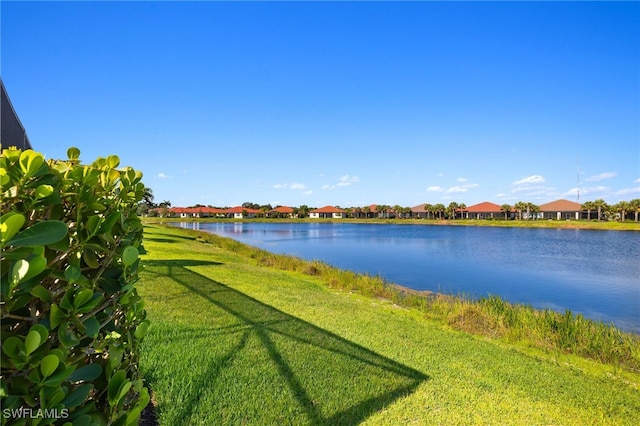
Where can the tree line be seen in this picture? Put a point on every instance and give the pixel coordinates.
(522, 210)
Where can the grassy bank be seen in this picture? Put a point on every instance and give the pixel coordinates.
(248, 337)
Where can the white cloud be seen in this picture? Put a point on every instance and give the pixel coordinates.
(455, 189)
(462, 180)
(627, 191)
(637, 180)
(529, 180)
(309, 192)
(347, 180)
(435, 189)
(162, 176)
(297, 186)
(327, 187)
(588, 190)
(601, 176)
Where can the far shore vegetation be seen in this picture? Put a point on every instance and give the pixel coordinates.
(564, 224)
(243, 336)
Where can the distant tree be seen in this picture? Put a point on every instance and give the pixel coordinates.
(451, 209)
(382, 210)
(398, 209)
(461, 207)
(407, 212)
(520, 206)
(366, 210)
(303, 211)
(506, 208)
(147, 197)
(532, 208)
(164, 204)
(427, 208)
(622, 208)
(439, 209)
(635, 207)
(588, 206)
(601, 206)
(249, 205)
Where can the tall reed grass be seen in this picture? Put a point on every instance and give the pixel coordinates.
(489, 316)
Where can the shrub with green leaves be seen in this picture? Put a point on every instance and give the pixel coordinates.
(72, 320)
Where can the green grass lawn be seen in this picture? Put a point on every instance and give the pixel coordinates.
(234, 342)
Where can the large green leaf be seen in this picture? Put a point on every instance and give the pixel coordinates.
(33, 341)
(10, 224)
(129, 256)
(19, 270)
(78, 396)
(41, 233)
(73, 153)
(43, 191)
(86, 373)
(48, 365)
(30, 162)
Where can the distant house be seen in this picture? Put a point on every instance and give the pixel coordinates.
(327, 212)
(560, 209)
(196, 212)
(281, 211)
(419, 211)
(240, 212)
(483, 211)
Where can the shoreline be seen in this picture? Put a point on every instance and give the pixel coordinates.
(535, 224)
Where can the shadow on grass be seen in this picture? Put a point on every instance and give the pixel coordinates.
(326, 378)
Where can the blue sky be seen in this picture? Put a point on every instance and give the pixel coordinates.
(337, 103)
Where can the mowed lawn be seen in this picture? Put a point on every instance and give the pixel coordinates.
(233, 342)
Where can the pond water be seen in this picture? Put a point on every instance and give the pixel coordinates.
(595, 273)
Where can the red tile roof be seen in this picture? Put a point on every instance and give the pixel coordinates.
(283, 209)
(419, 208)
(485, 207)
(328, 209)
(560, 206)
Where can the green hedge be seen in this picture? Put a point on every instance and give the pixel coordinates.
(72, 320)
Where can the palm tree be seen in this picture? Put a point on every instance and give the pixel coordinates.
(588, 206)
(439, 208)
(383, 209)
(398, 209)
(506, 208)
(622, 207)
(427, 208)
(532, 208)
(147, 197)
(519, 207)
(635, 206)
(462, 207)
(451, 209)
(601, 205)
(366, 211)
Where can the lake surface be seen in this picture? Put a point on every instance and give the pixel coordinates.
(596, 273)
